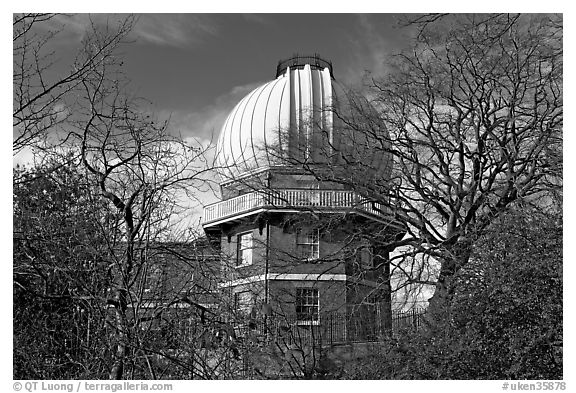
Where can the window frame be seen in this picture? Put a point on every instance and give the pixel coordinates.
(240, 307)
(308, 239)
(244, 254)
(367, 256)
(307, 299)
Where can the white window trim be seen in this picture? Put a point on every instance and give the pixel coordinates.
(243, 309)
(297, 277)
(309, 322)
(301, 243)
(251, 248)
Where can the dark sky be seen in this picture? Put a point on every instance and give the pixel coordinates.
(196, 67)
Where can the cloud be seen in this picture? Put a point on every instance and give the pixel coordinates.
(374, 39)
(376, 44)
(179, 30)
(205, 124)
(175, 29)
(24, 157)
(201, 128)
(73, 27)
(258, 18)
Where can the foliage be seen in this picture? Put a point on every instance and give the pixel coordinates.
(60, 276)
(87, 240)
(65, 258)
(505, 320)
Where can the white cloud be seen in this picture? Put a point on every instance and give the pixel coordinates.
(374, 40)
(24, 157)
(203, 127)
(175, 29)
(376, 43)
(205, 124)
(258, 18)
(73, 27)
(160, 29)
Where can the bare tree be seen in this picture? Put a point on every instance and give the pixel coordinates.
(140, 180)
(143, 173)
(472, 117)
(68, 241)
(42, 99)
(475, 117)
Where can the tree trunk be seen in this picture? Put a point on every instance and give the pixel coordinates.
(382, 257)
(456, 256)
(119, 304)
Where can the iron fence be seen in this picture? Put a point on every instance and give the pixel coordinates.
(365, 325)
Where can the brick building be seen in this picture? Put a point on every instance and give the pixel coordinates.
(295, 241)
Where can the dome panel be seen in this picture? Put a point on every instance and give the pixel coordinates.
(246, 132)
(291, 119)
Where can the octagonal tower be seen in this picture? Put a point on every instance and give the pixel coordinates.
(292, 239)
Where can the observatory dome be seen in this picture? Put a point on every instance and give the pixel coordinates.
(292, 120)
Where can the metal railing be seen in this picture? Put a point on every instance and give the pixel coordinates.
(333, 327)
(299, 61)
(340, 200)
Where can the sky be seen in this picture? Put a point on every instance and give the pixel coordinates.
(195, 68)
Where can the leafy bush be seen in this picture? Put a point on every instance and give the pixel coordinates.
(505, 319)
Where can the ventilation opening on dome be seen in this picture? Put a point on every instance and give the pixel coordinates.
(298, 62)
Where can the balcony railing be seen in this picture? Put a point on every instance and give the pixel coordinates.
(317, 200)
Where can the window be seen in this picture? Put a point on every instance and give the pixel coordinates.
(366, 256)
(244, 249)
(307, 305)
(156, 282)
(308, 243)
(243, 302)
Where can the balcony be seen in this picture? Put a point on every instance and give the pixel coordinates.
(328, 201)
